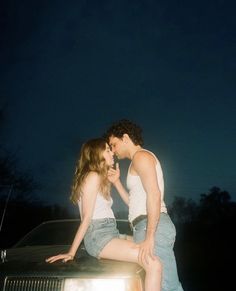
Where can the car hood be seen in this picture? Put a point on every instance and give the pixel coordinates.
(31, 261)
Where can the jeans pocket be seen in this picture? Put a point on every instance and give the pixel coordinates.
(139, 234)
(90, 228)
(166, 232)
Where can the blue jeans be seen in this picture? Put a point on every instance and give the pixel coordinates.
(164, 243)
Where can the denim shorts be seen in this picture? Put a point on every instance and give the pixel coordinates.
(99, 233)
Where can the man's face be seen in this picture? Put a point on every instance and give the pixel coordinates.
(118, 147)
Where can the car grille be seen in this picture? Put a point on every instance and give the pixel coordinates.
(33, 284)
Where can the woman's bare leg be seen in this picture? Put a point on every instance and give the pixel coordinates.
(129, 253)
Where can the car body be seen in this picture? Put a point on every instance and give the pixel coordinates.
(23, 266)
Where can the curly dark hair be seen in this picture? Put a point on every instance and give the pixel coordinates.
(125, 126)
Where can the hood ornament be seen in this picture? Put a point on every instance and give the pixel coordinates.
(3, 256)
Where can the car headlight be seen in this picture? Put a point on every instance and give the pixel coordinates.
(109, 284)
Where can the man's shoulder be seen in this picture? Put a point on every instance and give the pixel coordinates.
(144, 156)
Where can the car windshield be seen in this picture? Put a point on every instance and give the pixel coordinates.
(51, 233)
(60, 232)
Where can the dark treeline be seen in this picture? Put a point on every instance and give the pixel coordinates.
(205, 242)
(20, 209)
(22, 215)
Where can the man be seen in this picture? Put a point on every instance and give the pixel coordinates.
(152, 226)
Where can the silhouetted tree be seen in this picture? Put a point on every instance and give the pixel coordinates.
(214, 206)
(23, 183)
(22, 209)
(205, 240)
(183, 210)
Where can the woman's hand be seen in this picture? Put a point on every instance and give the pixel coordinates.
(114, 174)
(63, 257)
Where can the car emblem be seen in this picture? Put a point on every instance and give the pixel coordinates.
(3, 256)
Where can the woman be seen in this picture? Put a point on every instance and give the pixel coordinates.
(91, 189)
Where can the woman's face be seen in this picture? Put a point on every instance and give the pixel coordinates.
(108, 156)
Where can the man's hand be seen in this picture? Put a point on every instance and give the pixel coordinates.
(146, 251)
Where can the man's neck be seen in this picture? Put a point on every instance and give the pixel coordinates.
(133, 151)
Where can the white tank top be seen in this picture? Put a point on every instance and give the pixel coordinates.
(102, 208)
(137, 194)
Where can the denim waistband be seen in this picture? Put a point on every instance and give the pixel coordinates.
(106, 219)
(140, 218)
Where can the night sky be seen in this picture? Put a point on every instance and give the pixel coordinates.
(71, 68)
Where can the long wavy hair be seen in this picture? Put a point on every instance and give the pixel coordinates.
(91, 160)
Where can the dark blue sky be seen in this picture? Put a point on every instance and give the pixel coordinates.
(69, 69)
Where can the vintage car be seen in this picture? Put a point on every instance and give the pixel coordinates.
(23, 266)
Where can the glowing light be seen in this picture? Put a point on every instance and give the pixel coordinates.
(95, 285)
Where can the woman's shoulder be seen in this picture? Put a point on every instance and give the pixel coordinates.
(91, 183)
(93, 177)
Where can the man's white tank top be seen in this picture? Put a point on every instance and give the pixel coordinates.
(137, 194)
(102, 208)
